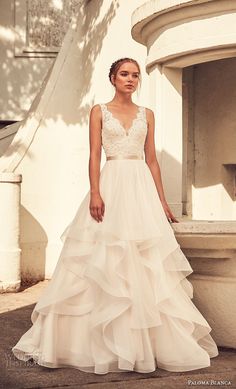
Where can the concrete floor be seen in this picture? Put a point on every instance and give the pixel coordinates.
(15, 311)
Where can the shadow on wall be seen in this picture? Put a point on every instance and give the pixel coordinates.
(15, 96)
(20, 76)
(33, 270)
(78, 82)
(210, 127)
(209, 137)
(93, 35)
(79, 76)
(49, 141)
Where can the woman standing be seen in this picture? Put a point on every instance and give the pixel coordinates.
(119, 298)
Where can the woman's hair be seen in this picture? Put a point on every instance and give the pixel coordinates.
(117, 64)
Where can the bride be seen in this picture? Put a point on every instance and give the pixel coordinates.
(119, 298)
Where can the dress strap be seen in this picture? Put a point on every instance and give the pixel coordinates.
(143, 113)
(103, 108)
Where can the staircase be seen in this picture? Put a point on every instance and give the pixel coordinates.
(7, 133)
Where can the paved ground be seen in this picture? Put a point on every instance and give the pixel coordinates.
(15, 311)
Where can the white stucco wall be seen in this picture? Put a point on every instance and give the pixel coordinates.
(51, 149)
(180, 34)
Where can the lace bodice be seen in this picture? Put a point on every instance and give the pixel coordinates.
(117, 140)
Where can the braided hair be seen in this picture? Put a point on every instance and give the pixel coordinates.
(117, 64)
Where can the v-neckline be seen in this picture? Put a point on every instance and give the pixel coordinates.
(127, 131)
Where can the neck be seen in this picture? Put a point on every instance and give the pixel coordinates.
(123, 98)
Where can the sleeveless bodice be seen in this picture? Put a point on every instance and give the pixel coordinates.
(117, 140)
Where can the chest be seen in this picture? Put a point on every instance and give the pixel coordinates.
(113, 129)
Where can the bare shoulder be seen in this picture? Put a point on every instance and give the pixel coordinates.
(96, 108)
(149, 112)
(96, 111)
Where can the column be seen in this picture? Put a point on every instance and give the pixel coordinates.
(10, 251)
(166, 101)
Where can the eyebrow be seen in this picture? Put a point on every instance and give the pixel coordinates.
(126, 71)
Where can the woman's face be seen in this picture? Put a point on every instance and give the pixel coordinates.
(127, 78)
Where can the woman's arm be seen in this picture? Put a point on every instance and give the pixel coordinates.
(97, 206)
(151, 160)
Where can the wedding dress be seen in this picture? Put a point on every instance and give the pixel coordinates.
(119, 298)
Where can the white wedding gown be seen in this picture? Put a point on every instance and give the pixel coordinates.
(119, 298)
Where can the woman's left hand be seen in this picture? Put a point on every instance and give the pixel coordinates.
(171, 218)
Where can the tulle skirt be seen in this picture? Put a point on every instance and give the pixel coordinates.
(119, 298)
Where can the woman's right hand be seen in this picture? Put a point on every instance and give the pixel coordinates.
(96, 206)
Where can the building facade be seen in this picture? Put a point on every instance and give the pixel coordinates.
(55, 57)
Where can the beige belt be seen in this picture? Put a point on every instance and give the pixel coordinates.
(125, 157)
